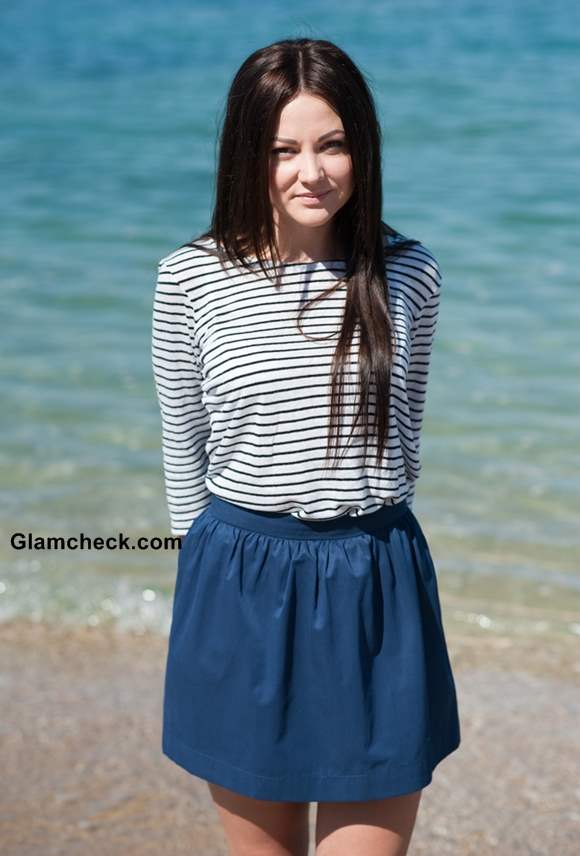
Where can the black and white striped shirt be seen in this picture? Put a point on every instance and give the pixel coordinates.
(245, 397)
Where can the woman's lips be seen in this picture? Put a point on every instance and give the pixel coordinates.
(308, 197)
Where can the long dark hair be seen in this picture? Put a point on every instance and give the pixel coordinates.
(242, 218)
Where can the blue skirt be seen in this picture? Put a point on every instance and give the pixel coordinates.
(307, 661)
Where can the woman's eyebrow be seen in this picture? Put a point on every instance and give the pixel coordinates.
(328, 133)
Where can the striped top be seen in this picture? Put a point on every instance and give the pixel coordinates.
(245, 397)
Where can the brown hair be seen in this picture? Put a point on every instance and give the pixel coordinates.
(242, 218)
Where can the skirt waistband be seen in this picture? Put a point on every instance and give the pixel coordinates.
(288, 526)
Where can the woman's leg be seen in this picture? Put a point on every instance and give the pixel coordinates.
(261, 827)
(370, 827)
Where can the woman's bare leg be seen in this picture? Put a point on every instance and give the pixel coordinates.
(261, 827)
(370, 827)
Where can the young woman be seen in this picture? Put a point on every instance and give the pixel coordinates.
(307, 658)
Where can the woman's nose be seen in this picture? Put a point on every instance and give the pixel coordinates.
(310, 168)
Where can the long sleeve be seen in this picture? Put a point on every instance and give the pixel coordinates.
(184, 419)
(422, 339)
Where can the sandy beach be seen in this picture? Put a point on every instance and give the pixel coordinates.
(83, 771)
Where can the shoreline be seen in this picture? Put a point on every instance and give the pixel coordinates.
(84, 773)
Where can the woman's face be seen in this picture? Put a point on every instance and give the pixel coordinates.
(309, 154)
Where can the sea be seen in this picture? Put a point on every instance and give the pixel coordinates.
(110, 135)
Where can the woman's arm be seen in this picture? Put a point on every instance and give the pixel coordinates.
(185, 421)
(423, 336)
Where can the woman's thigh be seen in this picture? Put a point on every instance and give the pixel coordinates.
(261, 827)
(373, 827)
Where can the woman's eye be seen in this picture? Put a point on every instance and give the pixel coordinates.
(338, 143)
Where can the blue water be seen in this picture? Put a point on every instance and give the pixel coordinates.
(108, 149)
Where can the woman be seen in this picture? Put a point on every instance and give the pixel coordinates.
(307, 658)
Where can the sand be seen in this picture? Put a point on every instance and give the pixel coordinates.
(83, 772)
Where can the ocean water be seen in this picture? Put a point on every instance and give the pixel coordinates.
(111, 113)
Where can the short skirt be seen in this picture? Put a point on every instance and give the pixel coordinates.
(307, 660)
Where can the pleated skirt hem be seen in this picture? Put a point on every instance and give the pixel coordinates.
(381, 781)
